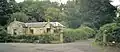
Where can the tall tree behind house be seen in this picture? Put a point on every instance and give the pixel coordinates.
(93, 13)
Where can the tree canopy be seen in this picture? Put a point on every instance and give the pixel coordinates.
(73, 14)
(93, 15)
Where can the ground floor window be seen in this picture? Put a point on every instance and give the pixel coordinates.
(31, 31)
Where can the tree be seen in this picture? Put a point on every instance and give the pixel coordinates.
(108, 34)
(117, 19)
(93, 15)
(7, 7)
(54, 14)
(42, 10)
(19, 16)
(36, 9)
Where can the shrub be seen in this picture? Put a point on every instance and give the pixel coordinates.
(69, 35)
(111, 31)
(89, 31)
(4, 37)
(81, 33)
(46, 38)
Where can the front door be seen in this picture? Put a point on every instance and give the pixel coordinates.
(14, 32)
(48, 30)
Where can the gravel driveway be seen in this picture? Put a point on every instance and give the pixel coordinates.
(79, 46)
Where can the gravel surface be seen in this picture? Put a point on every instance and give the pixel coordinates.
(79, 46)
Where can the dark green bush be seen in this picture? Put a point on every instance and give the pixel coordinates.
(81, 33)
(111, 31)
(3, 35)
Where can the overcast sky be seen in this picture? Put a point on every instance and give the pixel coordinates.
(63, 1)
(115, 2)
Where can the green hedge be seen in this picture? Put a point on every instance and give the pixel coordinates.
(35, 39)
(82, 33)
(46, 38)
(89, 31)
(28, 39)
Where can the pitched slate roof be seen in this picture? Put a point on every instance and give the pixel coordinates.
(42, 24)
(35, 24)
(56, 24)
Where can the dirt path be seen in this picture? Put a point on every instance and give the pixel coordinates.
(80, 46)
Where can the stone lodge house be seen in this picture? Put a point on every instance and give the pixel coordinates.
(35, 28)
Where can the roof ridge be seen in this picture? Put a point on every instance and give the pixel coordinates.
(41, 22)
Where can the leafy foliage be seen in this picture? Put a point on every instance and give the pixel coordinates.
(7, 8)
(19, 16)
(4, 37)
(73, 14)
(93, 15)
(35, 39)
(81, 33)
(111, 31)
(54, 14)
(91, 32)
(33, 9)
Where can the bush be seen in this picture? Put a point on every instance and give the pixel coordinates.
(111, 31)
(69, 35)
(46, 38)
(89, 31)
(81, 33)
(4, 37)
